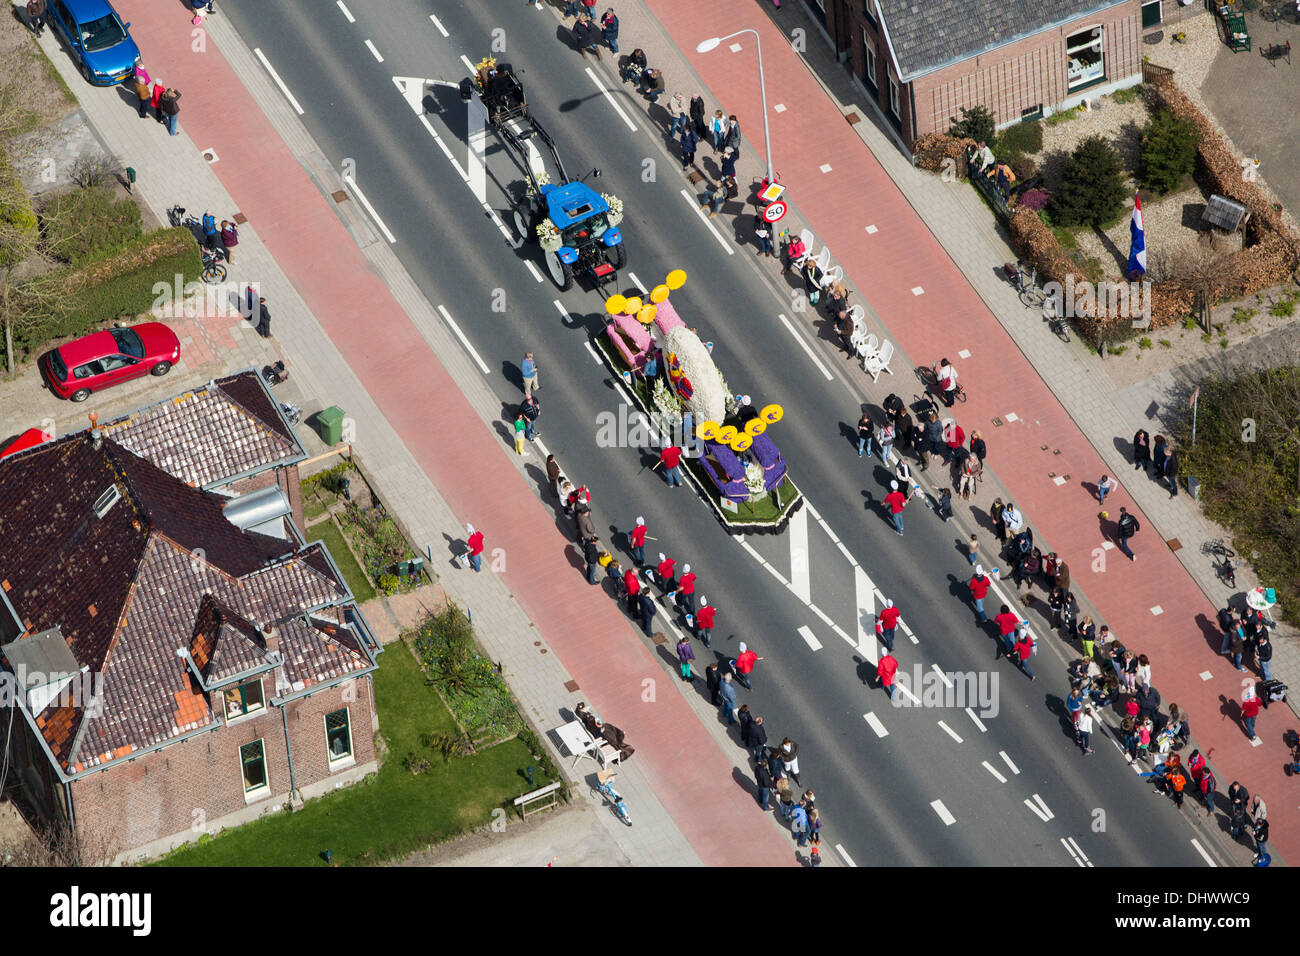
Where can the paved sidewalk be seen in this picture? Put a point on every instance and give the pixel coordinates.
(924, 254)
(427, 462)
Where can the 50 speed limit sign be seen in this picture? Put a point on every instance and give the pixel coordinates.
(774, 211)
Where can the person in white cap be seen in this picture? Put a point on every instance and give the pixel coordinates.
(665, 571)
(886, 622)
(636, 538)
(743, 665)
(895, 501)
(979, 589)
(475, 543)
(686, 589)
(704, 621)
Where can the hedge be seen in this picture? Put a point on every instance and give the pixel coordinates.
(1025, 138)
(111, 286)
(15, 213)
(81, 224)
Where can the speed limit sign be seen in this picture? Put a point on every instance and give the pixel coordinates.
(774, 211)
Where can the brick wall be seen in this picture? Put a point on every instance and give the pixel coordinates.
(178, 792)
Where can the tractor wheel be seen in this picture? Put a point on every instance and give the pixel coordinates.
(561, 272)
(618, 256)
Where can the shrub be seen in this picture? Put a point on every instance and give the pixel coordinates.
(976, 123)
(1127, 95)
(1023, 167)
(1283, 309)
(1168, 151)
(936, 151)
(85, 222)
(1092, 189)
(1144, 342)
(1035, 199)
(17, 221)
(1021, 138)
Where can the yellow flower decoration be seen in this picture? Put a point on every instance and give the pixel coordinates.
(633, 305)
(706, 431)
(755, 427)
(772, 414)
(741, 442)
(726, 435)
(646, 314)
(676, 279)
(615, 304)
(659, 293)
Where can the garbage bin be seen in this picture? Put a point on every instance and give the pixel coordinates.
(331, 425)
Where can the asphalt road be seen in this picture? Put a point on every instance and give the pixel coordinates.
(877, 793)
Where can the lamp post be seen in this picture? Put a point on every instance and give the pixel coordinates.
(709, 45)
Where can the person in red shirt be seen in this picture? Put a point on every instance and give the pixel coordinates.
(886, 622)
(979, 589)
(743, 665)
(671, 459)
(704, 621)
(633, 585)
(895, 502)
(1249, 711)
(686, 589)
(887, 670)
(1025, 647)
(637, 537)
(475, 547)
(1006, 622)
(155, 99)
(666, 569)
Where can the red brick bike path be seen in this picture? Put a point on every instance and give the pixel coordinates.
(948, 317)
(465, 460)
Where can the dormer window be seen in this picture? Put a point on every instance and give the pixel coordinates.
(244, 699)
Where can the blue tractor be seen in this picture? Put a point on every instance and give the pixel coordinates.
(574, 224)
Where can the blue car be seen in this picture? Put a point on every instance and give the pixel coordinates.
(97, 39)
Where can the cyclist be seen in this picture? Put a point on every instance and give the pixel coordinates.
(947, 380)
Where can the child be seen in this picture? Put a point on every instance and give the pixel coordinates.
(1144, 739)
(1104, 487)
(972, 548)
(945, 504)
(685, 655)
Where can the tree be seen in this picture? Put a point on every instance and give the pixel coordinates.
(1093, 189)
(976, 123)
(1168, 151)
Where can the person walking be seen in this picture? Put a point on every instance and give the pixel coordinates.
(1141, 450)
(1128, 527)
(263, 318)
(979, 589)
(142, 88)
(886, 623)
(665, 571)
(591, 554)
(1104, 487)
(636, 539)
(713, 683)
(947, 382)
(866, 434)
(1085, 728)
(894, 504)
(648, 612)
(1159, 452)
(763, 782)
(671, 459)
(685, 654)
(1006, 623)
(1250, 711)
(727, 691)
(1171, 472)
(887, 671)
(686, 589)
(475, 547)
(170, 106)
(1024, 648)
(973, 549)
(36, 16)
(229, 239)
(689, 143)
(609, 29)
(743, 665)
(704, 621)
(528, 369)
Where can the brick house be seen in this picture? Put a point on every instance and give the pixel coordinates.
(180, 658)
(920, 63)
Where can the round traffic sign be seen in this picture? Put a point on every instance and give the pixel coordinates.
(774, 211)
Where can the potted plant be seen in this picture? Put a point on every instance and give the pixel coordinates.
(548, 234)
(615, 208)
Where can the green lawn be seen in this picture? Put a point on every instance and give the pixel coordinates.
(328, 532)
(393, 813)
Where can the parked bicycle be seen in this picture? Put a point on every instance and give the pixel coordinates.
(930, 379)
(1026, 283)
(1055, 321)
(1226, 561)
(214, 270)
(605, 787)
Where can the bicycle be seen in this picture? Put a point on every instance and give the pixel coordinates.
(1055, 321)
(930, 379)
(1226, 569)
(214, 270)
(1030, 293)
(605, 787)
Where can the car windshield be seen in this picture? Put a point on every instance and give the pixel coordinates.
(591, 228)
(102, 33)
(129, 342)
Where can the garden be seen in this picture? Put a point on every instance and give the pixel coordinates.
(442, 771)
(370, 550)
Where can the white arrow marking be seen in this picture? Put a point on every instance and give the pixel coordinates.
(476, 166)
(800, 581)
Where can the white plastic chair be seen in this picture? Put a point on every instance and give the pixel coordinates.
(858, 314)
(831, 276)
(867, 347)
(808, 239)
(823, 258)
(873, 365)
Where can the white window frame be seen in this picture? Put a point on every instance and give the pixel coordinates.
(1098, 43)
(256, 793)
(894, 99)
(869, 50)
(350, 757)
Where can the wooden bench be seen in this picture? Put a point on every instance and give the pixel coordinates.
(532, 802)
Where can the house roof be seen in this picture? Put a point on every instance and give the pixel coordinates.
(926, 35)
(209, 435)
(157, 570)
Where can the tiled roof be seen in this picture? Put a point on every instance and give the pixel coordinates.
(229, 427)
(161, 570)
(928, 34)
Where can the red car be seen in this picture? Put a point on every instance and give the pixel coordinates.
(101, 359)
(28, 439)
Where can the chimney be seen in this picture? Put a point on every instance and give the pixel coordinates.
(270, 638)
(96, 436)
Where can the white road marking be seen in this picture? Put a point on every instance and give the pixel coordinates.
(872, 230)
(845, 551)
(908, 694)
(759, 558)
(1037, 812)
(612, 101)
(866, 604)
(533, 269)
(844, 853)
(594, 356)
(564, 313)
(441, 29)
(1068, 850)
(361, 198)
(476, 165)
(800, 580)
(807, 635)
(1007, 760)
(994, 770)
(637, 282)
(942, 676)
(463, 340)
(627, 399)
(874, 723)
(371, 47)
(947, 818)
(446, 151)
(278, 82)
(690, 201)
(807, 348)
(346, 12)
(949, 731)
(978, 723)
(468, 65)
(540, 447)
(1079, 850)
(1201, 850)
(1039, 807)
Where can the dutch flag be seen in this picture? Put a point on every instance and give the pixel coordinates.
(1137, 250)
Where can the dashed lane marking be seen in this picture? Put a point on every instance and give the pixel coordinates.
(1070, 851)
(1036, 804)
(866, 604)
(994, 770)
(637, 282)
(800, 580)
(690, 201)
(874, 723)
(463, 340)
(1201, 850)
(441, 29)
(468, 65)
(371, 47)
(947, 818)
(949, 731)
(978, 723)
(807, 349)
(1007, 760)
(839, 848)
(807, 635)
(942, 676)
(534, 270)
(1079, 850)
(346, 12)
(594, 357)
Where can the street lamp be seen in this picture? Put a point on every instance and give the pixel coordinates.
(709, 45)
